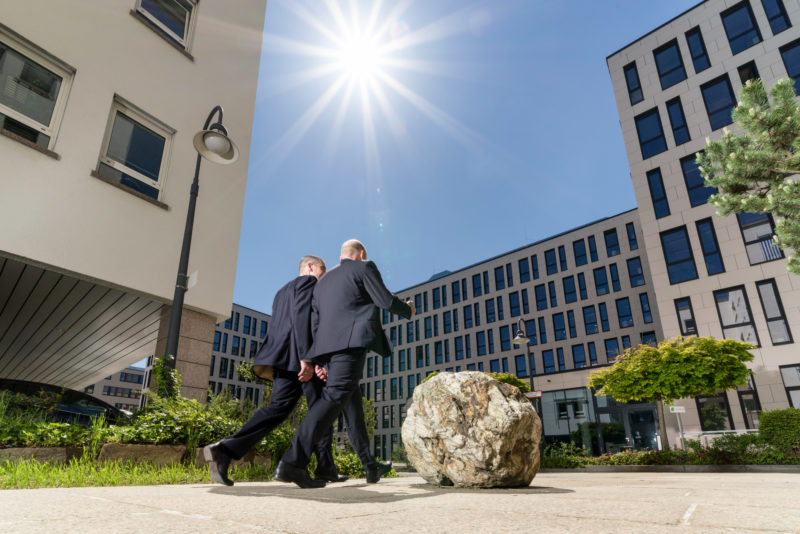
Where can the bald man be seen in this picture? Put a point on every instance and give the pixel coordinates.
(345, 323)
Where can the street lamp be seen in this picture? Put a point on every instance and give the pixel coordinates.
(212, 143)
(521, 338)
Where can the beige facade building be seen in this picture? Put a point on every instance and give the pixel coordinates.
(721, 277)
(581, 297)
(122, 389)
(99, 102)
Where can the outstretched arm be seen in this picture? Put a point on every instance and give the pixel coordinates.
(382, 297)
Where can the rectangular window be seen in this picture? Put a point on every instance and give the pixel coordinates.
(686, 323)
(35, 89)
(499, 279)
(435, 325)
(525, 306)
(401, 360)
(649, 338)
(263, 333)
(550, 261)
(612, 348)
(658, 193)
(524, 271)
(549, 361)
(633, 244)
(773, 311)
(559, 328)
(757, 231)
(635, 273)
(740, 27)
(476, 285)
(697, 49)
(748, 72)
(541, 297)
(459, 344)
(542, 331)
(505, 338)
(669, 64)
(486, 282)
(592, 353)
(678, 255)
(410, 332)
(235, 345)
(494, 366)
(695, 184)
(632, 81)
(535, 266)
(444, 295)
(589, 320)
(519, 364)
(582, 286)
(790, 54)
(428, 327)
(437, 298)
(776, 14)
(490, 315)
(447, 322)
(530, 331)
(490, 339)
(224, 347)
(614, 277)
(467, 316)
(719, 101)
(513, 303)
(551, 288)
(418, 302)
(217, 338)
(223, 367)
(578, 356)
(791, 382)
(626, 342)
(560, 356)
(714, 411)
(677, 120)
(735, 316)
(600, 281)
(612, 242)
(573, 332)
(651, 135)
(569, 289)
(174, 18)
(456, 292)
(500, 308)
(579, 251)
(247, 320)
(509, 276)
(644, 301)
(562, 257)
(135, 150)
(476, 309)
(480, 340)
(710, 246)
(437, 355)
(592, 248)
(603, 317)
(424, 301)
(624, 314)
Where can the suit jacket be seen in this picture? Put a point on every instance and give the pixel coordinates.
(344, 310)
(289, 337)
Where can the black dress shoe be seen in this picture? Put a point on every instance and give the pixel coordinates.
(289, 473)
(376, 471)
(218, 463)
(331, 477)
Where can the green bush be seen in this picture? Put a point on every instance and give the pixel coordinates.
(508, 378)
(781, 429)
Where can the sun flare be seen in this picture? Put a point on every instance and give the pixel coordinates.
(359, 58)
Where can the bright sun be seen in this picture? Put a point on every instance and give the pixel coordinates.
(359, 58)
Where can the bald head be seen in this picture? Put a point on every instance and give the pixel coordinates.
(353, 249)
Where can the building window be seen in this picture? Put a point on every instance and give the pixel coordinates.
(669, 64)
(467, 316)
(217, 338)
(535, 266)
(505, 338)
(524, 271)
(651, 135)
(499, 278)
(589, 320)
(551, 288)
(771, 303)
(740, 27)
(509, 278)
(520, 366)
(612, 349)
(604, 325)
(776, 14)
(480, 340)
(224, 347)
(549, 362)
(624, 314)
(578, 356)
(562, 257)
(592, 353)
(695, 184)
(456, 292)
(719, 101)
(748, 72)
(550, 261)
(614, 277)
(559, 328)
(569, 290)
(757, 231)
(592, 248)
(437, 298)
(247, 320)
(541, 297)
(633, 244)
(644, 301)
(678, 255)
(263, 333)
(791, 381)
(677, 121)
(582, 286)
(173, 17)
(714, 411)
(490, 314)
(686, 323)
(635, 273)
(790, 54)
(697, 49)
(542, 331)
(612, 242)
(733, 308)
(135, 150)
(579, 251)
(428, 328)
(657, 193)
(649, 338)
(35, 89)
(447, 322)
(476, 285)
(632, 81)
(573, 332)
(710, 246)
(600, 281)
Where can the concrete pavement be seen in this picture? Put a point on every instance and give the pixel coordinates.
(555, 502)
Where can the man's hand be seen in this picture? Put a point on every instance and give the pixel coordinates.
(413, 308)
(322, 373)
(306, 371)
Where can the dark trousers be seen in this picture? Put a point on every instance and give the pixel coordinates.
(286, 391)
(340, 394)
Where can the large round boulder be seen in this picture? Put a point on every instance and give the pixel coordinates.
(466, 429)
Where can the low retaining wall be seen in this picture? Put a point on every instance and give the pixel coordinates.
(55, 455)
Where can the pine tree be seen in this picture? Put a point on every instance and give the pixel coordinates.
(755, 171)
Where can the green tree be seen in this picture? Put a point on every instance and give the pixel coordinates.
(754, 170)
(676, 368)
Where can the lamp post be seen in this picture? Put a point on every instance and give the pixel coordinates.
(521, 338)
(212, 143)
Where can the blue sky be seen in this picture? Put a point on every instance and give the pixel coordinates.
(490, 125)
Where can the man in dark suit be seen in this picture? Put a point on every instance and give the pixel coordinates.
(283, 359)
(346, 324)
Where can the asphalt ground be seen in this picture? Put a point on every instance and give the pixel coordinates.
(582, 502)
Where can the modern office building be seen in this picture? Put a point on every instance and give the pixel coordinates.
(99, 103)
(723, 277)
(581, 297)
(122, 389)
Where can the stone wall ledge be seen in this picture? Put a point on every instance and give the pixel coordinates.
(56, 455)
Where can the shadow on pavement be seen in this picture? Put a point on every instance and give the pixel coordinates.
(369, 493)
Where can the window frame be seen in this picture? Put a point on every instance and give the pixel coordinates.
(632, 90)
(700, 188)
(701, 42)
(709, 253)
(781, 14)
(680, 67)
(749, 308)
(183, 42)
(779, 304)
(668, 264)
(660, 200)
(709, 112)
(640, 279)
(686, 331)
(769, 239)
(647, 154)
(793, 46)
(745, 4)
(786, 388)
(675, 104)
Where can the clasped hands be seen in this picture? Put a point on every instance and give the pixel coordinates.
(309, 369)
